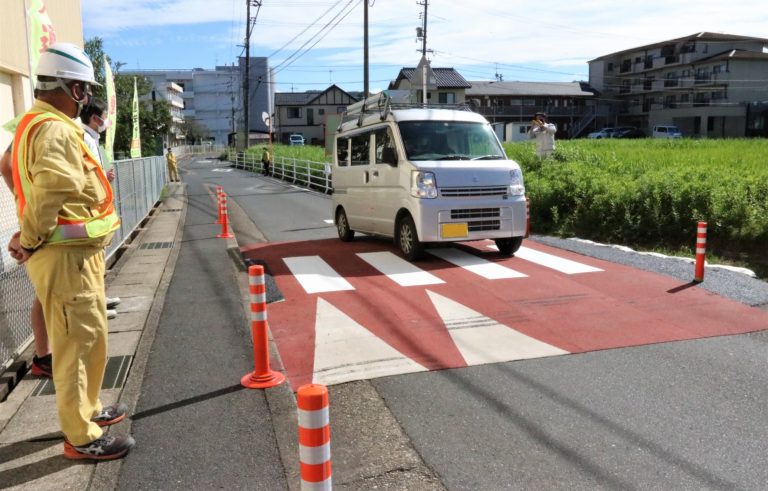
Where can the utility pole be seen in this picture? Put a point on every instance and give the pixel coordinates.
(365, 49)
(249, 25)
(423, 36)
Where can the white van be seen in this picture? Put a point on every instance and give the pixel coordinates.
(666, 131)
(424, 175)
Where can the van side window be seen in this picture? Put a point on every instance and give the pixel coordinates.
(342, 151)
(360, 154)
(385, 147)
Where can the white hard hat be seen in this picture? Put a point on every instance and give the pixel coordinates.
(66, 61)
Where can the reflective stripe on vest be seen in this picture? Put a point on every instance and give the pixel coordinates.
(67, 228)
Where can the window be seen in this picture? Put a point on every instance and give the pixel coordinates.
(710, 124)
(610, 67)
(719, 68)
(359, 154)
(294, 113)
(385, 147)
(342, 151)
(320, 111)
(446, 98)
(515, 102)
(340, 109)
(718, 95)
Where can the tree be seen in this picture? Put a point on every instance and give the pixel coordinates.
(154, 115)
(194, 131)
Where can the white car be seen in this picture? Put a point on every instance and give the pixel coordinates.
(296, 140)
(665, 131)
(603, 133)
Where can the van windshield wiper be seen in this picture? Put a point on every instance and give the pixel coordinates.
(488, 157)
(452, 157)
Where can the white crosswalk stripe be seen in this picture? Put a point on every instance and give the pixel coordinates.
(482, 340)
(399, 270)
(315, 275)
(475, 264)
(346, 351)
(551, 261)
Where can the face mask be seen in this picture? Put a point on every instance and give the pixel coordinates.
(103, 126)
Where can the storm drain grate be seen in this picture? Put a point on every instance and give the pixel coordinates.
(156, 245)
(114, 376)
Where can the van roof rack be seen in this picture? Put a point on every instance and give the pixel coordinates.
(387, 100)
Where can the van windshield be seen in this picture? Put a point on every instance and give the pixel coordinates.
(450, 140)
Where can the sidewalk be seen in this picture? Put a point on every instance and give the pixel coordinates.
(30, 439)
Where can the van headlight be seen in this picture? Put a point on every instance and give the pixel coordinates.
(516, 186)
(423, 185)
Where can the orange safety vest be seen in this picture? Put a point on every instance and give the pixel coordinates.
(68, 229)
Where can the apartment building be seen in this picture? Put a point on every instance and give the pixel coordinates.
(707, 84)
(510, 106)
(214, 98)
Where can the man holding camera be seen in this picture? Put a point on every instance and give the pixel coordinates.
(544, 133)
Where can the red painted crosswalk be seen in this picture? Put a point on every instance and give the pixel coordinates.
(357, 310)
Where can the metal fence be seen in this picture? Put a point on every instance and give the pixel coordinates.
(137, 187)
(306, 173)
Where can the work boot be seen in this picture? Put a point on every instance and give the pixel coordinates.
(112, 302)
(104, 448)
(111, 415)
(42, 366)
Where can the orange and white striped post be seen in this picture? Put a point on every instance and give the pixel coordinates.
(219, 193)
(701, 251)
(262, 376)
(527, 216)
(314, 438)
(225, 233)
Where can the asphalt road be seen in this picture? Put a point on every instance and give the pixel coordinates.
(680, 415)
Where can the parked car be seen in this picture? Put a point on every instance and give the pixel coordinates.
(630, 133)
(603, 133)
(666, 131)
(296, 139)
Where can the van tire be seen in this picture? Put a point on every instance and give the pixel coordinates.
(346, 234)
(509, 246)
(408, 239)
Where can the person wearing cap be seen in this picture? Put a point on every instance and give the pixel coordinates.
(66, 218)
(544, 133)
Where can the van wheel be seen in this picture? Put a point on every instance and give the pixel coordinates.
(408, 239)
(342, 227)
(509, 245)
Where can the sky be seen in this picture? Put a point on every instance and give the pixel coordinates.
(313, 44)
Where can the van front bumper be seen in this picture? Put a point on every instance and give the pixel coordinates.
(463, 220)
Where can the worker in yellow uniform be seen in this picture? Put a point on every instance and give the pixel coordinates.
(66, 218)
(173, 170)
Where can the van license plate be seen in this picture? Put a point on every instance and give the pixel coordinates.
(454, 230)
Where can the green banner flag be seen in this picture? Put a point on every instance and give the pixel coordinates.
(136, 139)
(41, 34)
(109, 138)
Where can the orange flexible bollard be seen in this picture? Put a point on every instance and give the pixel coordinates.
(262, 377)
(219, 193)
(701, 251)
(527, 216)
(314, 437)
(225, 233)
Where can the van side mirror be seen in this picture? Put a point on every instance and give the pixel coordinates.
(388, 156)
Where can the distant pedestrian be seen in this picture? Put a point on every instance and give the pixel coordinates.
(173, 170)
(266, 161)
(66, 218)
(544, 133)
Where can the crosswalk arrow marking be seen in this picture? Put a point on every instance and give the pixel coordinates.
(346, 351)
(482, 340)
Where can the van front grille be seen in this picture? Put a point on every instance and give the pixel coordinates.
(484, 225)
(474, 191)
(472, 213)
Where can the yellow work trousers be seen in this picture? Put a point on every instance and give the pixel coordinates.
(69, 281)
(173, 172)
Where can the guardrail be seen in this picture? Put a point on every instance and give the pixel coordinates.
(306, 173)
(137, 188)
